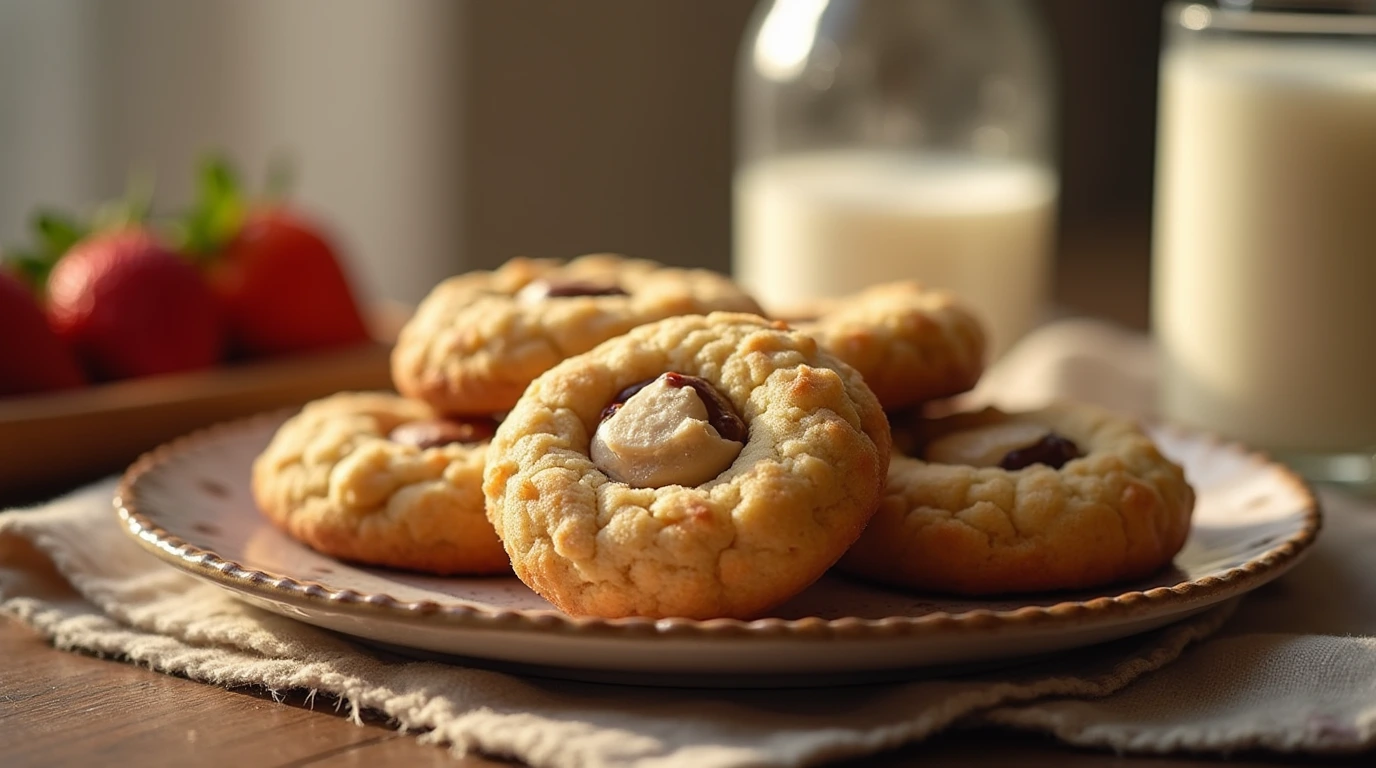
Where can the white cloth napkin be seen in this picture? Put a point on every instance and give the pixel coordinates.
(1294, 669)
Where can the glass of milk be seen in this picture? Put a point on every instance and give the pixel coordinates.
(1264, 274)
(884, 140)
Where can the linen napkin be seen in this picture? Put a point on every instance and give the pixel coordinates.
(1294, 669)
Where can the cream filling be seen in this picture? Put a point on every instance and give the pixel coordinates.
(661, 436)
(533, 292)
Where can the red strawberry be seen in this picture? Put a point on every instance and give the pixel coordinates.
(282, 288)
(32, 358)
(280, 282)
(129, 306)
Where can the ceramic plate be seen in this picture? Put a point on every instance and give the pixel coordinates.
(189, 503)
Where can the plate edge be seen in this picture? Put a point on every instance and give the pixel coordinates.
(187, 556)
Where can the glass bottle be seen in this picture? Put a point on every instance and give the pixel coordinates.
(881, 140)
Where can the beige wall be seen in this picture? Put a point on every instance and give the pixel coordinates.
(363, 94)
(600, 125)
(439, 136)
(47, 109)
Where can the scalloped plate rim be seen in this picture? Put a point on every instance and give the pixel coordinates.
(1182, 598)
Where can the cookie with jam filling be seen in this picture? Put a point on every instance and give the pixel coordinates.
(478, 339)
(982, 503)
(700, 466)
(377, 479)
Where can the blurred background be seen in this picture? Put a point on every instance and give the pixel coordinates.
(436, 136)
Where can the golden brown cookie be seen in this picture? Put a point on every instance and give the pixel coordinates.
(748, 461)
(910, 343)
(478, 339)
(1067, 497)
(374, 478)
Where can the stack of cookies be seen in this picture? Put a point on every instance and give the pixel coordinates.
(638, 440)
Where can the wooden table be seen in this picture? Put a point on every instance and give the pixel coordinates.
(59, 708)
(68, 709)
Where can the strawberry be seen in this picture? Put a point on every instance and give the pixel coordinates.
(32, 357)
(283, 289)
(279, 281)
(130, 306)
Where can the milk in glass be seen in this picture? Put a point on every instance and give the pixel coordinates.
(827, 223)
(1265, 254)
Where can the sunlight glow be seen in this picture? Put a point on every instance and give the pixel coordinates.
(786, 37)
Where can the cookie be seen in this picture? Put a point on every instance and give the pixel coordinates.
(911, 344)
(377, 479)
(477, 340)
(1067, 497)
(698, 466)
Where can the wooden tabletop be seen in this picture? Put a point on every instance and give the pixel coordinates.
(59, 708)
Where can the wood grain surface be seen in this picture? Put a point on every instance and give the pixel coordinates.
(69, 709)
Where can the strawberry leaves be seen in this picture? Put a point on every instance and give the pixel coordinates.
(57, 232)
(221, 205)
(217, 213)
(54, 233)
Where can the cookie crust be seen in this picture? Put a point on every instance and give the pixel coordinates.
(799, 493)
(473, 346)
(332, 479)
(1121, 511)
(910, 343)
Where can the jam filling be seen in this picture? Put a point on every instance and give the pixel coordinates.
(555, 289)
(1052, 450)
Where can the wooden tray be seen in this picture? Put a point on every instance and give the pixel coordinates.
(53, 442)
